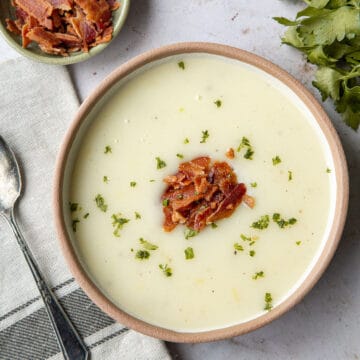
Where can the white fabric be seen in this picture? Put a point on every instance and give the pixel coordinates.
(37, 103)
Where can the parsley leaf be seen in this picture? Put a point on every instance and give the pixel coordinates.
(276, 160)
(181, 65)
(189, 253)
(328, 32)
(268, 301)
(142, 255)
(166, 269)
(262, 223)
(118, 223)
(190, 233)
(205, 136)
(160, 163)
(238, 247)
(282, 222)
(218, 103)
(107, 149)
(147, 245)
(100, 203)
(245, 143)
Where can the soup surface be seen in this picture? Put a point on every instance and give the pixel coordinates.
(173, 111)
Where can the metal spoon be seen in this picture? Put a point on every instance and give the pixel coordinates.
(69, 340)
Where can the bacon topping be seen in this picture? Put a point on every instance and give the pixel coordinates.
(201, 193)
(63, 26)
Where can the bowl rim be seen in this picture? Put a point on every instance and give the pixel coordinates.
(76, 57)
(340, 170)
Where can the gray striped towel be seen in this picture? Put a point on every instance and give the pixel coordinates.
(37, 102)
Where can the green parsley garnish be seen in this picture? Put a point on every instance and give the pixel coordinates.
(86, 216)
(118, 223)
(165, 202)
(166, 270)
(105, 179)
(107, 149)
(152, 180)
(160, 163)
(214, 225)
(298, 243)
(245, 143)
(327, 32)
(328, 170)
(186, 141)
(245, 238)
(73, 206)
(142, 254)
(205, 136)
(268, 301)
(74, 223)
(252, 253)
(189, 253)
(181, 65)
(218, 103)
(262, 223)
(282, 222)
(253, 184)
(180, 156)
(100, 203)
(238, 247)
(137, 215)
(290, 175)
(259, 274)
(276, 160)
(147, 245)
(190, 233)
(132, 183)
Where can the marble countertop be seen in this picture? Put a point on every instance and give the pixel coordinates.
(326, 324)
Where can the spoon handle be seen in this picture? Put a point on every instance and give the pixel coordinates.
(69, 340)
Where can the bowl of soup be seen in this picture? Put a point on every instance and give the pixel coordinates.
(200, 193)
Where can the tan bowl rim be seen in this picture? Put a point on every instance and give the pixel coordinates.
(342, 193)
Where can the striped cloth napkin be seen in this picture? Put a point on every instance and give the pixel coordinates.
(37, 102)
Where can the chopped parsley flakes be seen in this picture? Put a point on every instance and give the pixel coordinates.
(160, 163)
(252, 253)
(137, 215)
(86, 216)
(190, 233)
(186, 141)
(238, 247)
(259, 274)
(147, 245)
(298, 243)
(105, 179)
(100, 203)
(245, 144)
(214, 225)
(107, 149)
(166, 269)
(118, 223)
(132, 183)
(253, 184)
(181, 65)
(189, 253)
(74, 223)
(180, 156)
(73, 206)
(205, 136)
(282, 222)
(290, 175)
(262, 223)
(328, 170)
(165, 202)
(218, 103)
(276, 160)
(142, 254)
(268, 301)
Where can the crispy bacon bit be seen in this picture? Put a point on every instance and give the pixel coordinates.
(249, 201)
(63, 26)
(201, 193)
(230, 154)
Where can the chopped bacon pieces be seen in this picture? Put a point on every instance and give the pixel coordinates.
(63, 26)
(201, 193)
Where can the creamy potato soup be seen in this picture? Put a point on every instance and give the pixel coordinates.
(240, 267)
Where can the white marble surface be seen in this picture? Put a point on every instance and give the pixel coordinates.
(326, 324)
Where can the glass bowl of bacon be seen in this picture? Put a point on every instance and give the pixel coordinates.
(61, 32)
